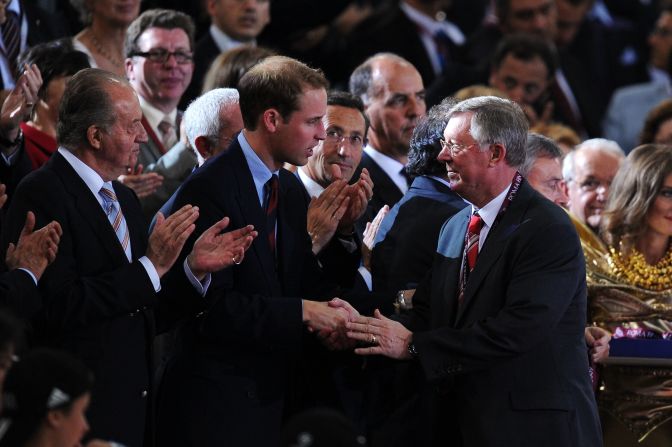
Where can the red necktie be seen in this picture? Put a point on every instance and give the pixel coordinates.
(473, 233)
(271, 210)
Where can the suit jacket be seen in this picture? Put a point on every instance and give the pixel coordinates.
(407, 238)
(627, 111)
(96, 304)
(227, 384)
(19, 294)
(205, 52)
(510, 363)
(385, 191)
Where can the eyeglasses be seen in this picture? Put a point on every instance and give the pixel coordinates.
(592, 184)
(455, 148)
(336, 137)
(161, 56)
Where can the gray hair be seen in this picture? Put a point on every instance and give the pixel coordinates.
(538, 146)
(497, 121)
(86, 102)
(603, 145)
(361, 80)
(202, 117)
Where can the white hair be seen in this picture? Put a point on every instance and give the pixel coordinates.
(202, 117)
(603, 145)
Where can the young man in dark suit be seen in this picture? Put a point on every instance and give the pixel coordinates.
(100, 291)
(229, 383)
(498, 327)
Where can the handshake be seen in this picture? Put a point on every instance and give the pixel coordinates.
(328, 320)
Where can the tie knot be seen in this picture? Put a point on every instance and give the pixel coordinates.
(108, 194)
(475, 224)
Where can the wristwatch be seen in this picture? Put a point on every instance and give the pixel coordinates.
(412, 351)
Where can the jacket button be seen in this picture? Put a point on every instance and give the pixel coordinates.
(143, 394)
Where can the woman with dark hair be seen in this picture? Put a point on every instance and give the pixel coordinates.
(630, 293)
(45, 398)
(658, 125)
(227, 69)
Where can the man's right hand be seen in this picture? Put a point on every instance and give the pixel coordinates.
(168, 237)
(34, 250)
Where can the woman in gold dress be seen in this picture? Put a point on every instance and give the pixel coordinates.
(630, 293)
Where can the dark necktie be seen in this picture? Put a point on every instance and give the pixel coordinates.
(271, 206)
(405, 175)
(11, 38)
(443, 43)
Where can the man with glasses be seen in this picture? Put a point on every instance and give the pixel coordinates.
(331, 168)
(543, 168)
(588, 171)
(159, 66)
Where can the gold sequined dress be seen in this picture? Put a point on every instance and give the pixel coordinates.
(635, 400)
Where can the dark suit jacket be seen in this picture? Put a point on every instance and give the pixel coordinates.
(407, 238)
(96, 304)
(385, 191)
(511, 362)
(205, 52)
(227, 384)
(19, 294)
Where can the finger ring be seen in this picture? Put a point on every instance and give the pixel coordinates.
(374, 341)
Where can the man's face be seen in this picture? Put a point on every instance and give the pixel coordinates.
(467, 165)
(569, 20)
(161, 83)
(398, 103)
(295, 136)
(338, 155)
(660, 41)
(523, 81)
(120, 145)
(589, 189)
(531, 17)
(546, 177)
(242, 20)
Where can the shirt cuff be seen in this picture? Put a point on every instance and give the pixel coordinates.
(200, 286)
(30, 273)
(366, 276)
(151, 272)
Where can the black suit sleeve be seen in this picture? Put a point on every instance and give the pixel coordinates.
(18, 293)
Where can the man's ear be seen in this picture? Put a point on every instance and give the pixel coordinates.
(94, 136)
(498, 153)
(203, 146)
(54, 419)
(271, 119)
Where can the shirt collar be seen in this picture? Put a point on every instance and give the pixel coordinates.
(90, 177)
(154, 116)
(260, 172)
(224, 42)
(489, 212)
(314, 189)
(390, 166)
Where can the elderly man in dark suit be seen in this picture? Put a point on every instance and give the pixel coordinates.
(394, 99)
(498, 326)
(99, 292)
(228, 383)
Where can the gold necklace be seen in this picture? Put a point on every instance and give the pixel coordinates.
(636, 271)
(99, 48)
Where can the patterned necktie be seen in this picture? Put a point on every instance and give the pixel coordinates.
(470, 252)
(11, 38)
(168, 134)
(116, 217)
(271, 207)
(443, 43)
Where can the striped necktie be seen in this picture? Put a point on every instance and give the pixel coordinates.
(470, 252)
(271, 210)
(11, 38)
(116, 217)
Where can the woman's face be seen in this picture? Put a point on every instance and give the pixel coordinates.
(70, 426)
(659, 216)
(121, 12)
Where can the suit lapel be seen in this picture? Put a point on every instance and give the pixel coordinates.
(384, 187)
(88, 207)
(251, 210)
(451, 248)
(494, 245)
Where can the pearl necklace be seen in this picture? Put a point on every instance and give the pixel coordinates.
(636, 271)
(99, 48)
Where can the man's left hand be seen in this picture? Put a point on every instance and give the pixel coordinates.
(386, 337)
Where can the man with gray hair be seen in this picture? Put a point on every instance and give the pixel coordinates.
(589, 170)
(497, 325)
(394, 99)
(543, 168)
